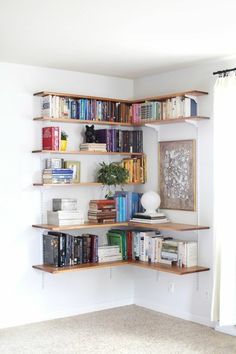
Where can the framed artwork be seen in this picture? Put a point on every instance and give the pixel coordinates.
(177, 174)
(75, 166)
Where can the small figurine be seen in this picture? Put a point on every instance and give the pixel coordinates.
(90, 135)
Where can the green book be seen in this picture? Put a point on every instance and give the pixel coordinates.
(118, 237)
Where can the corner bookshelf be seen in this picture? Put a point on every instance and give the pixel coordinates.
(129, 124)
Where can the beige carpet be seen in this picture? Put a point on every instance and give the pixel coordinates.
(129, 329)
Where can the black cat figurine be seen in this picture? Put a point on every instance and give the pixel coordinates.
(90, 135)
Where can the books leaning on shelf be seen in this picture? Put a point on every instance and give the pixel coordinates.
(177, 107)
(62, 217)
(57, 175)
(62, 249)
(146, 111)
(136, 167)
(109, 253)
(93, 147)
(102, 211)
(122, 239)
(127, 204)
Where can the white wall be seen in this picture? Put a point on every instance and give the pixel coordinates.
(27, 295)
(191, 298)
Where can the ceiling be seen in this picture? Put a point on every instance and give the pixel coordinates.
(124, 38)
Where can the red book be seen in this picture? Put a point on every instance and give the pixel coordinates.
(129, 245)
(51, 138)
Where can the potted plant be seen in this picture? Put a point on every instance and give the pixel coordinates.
(63, 144)
(112, 174)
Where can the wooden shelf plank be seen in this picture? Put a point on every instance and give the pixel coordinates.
(164, 226)
(172, 120)
(78, 121)
(77, 96)
(152, 98)
(57, 270)
(169, 269)
(171, 95)
(169, 226)
(154, 266)
(81, 184)
(86, 152)
(86, 225)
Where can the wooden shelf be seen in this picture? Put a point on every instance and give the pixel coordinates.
(78, 121)
(87, 152)
(78, 96)
(81, 184)
(165, 226)
(169, 226)
(172, 121)
(154, 266)
(171, 95)
(86, 225)
(152, 98)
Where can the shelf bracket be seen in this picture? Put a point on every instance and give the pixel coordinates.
(192, 122)
(157, 276)
(110, 273)
(153, 126)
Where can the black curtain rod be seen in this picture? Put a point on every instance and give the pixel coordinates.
(223, 71)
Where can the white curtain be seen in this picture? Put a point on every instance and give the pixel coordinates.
(224, 291)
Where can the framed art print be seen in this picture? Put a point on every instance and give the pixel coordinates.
(177, 174)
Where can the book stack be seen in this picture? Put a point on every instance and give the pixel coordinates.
(127, 204)
(136, 167)
(93, 147)
(57, 175)
(109, 253)
(62, 249)
(85, 109)
(52, 163)
(51, 137)
(67, 204)
(121, 140)
(122, 239)
(102, 211)
(149, 219)
(64, 217)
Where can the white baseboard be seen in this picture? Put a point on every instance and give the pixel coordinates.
(231, 330)
(61, 314)
(173, 312)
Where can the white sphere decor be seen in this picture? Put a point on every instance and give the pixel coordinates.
(151, 202)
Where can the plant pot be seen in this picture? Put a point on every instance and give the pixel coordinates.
(63, 145)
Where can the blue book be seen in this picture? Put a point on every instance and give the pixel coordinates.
(120, 209)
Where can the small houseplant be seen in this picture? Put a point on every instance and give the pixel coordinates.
(63, 144)
(112, 174)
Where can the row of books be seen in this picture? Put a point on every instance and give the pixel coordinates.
(117, 140)
(102, 211)
(155, 248)
(152, 246)
(127, 204)
(146, 111)
(62, 249)
(97, 110)
(64, 217)
(136, 167)
(85, 109)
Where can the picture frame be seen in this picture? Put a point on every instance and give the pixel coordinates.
(75, 166)
(177, 174)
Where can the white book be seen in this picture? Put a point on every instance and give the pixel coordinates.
(110, 258)
(47, 106)
(148, 221)
(70, 222)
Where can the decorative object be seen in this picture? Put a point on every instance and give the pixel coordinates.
(151, 202)
(75, 166)
(63, 144)
(112, 174)
(177, 174)
(90, 136)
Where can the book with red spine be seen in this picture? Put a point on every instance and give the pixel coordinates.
(51, 138)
